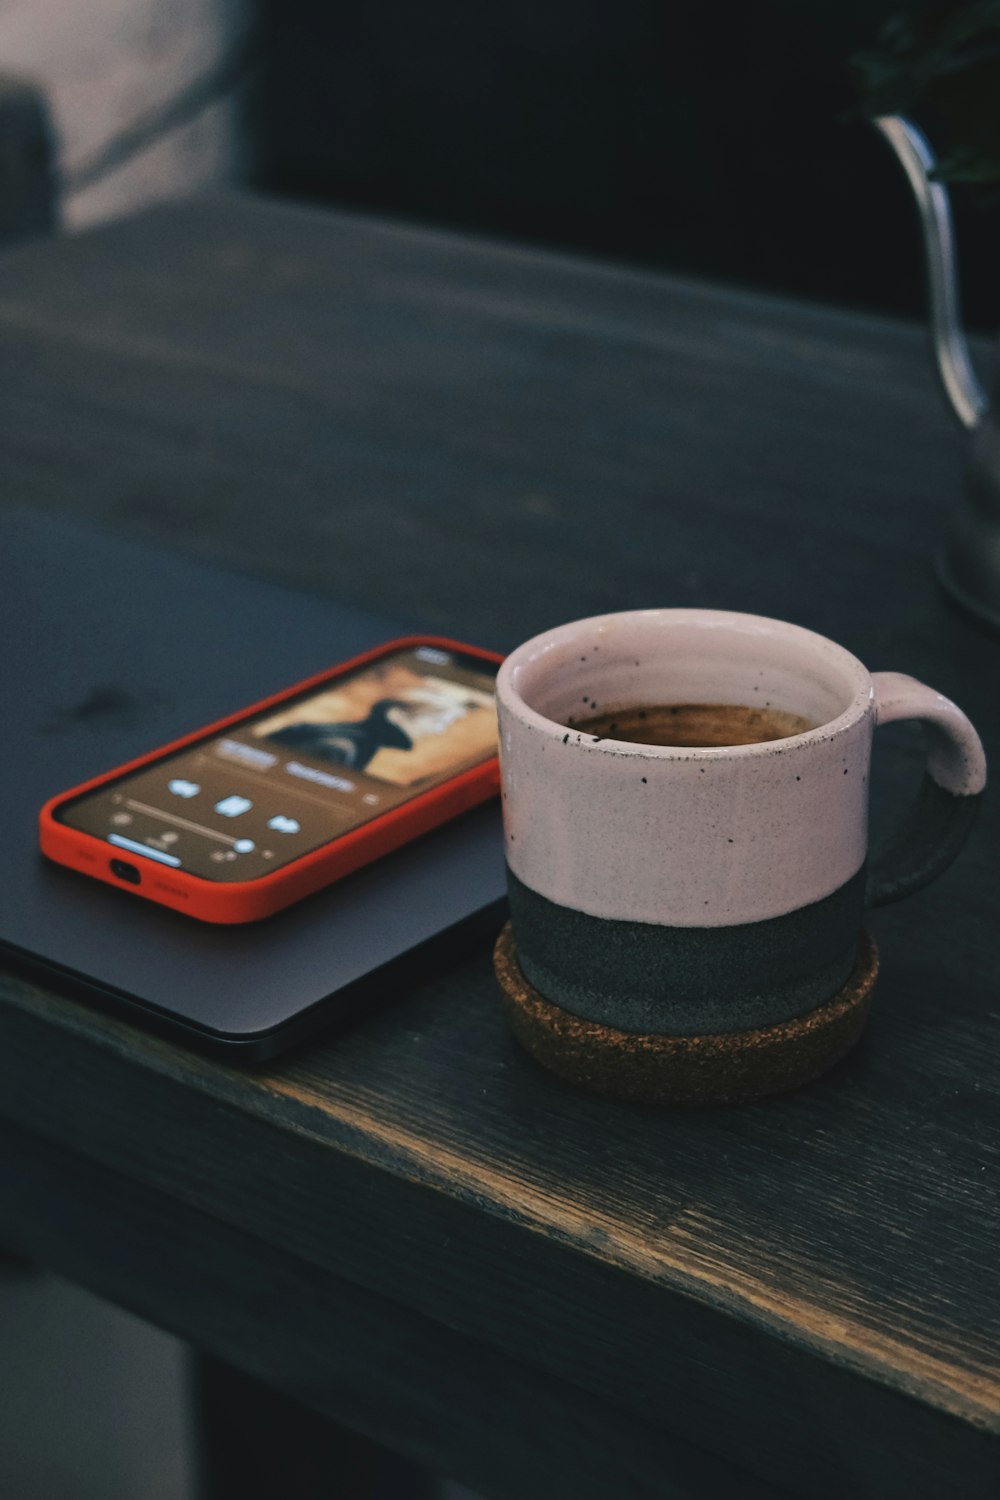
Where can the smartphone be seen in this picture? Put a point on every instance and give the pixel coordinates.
(243, 818)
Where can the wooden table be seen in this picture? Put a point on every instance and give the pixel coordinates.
(411, 1227)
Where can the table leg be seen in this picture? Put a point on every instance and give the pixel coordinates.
(256, 1443)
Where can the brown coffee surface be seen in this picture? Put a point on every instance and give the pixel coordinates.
(696, 725)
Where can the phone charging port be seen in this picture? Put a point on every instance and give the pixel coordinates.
(125, 871)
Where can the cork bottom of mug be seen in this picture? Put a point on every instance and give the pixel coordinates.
(655, 1068)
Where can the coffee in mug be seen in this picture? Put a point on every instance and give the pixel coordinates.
(699, 724)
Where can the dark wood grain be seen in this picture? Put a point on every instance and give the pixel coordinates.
(449, 1402)
(492, 440)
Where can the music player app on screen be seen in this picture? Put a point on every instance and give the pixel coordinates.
(271, 789)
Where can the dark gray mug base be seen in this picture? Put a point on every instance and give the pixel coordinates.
(686, 981)
(715, 1068)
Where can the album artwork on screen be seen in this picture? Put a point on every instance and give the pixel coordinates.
(393, 722)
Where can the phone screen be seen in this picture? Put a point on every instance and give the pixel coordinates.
(240, 804)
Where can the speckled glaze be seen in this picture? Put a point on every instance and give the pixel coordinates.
(724, 886)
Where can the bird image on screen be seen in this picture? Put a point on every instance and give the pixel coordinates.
(391, 722)
(353, 744)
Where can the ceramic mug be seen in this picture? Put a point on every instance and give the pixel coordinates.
(684, 890)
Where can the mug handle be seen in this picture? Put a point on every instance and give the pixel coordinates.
(945, 808)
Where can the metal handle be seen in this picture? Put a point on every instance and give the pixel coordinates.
(962, 387)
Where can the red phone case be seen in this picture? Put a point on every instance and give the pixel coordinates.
(249, 900)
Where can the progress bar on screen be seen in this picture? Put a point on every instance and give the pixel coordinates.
(136, 848)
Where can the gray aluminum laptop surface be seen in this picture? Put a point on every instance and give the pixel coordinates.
(109, 648)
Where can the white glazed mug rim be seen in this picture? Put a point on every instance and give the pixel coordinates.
(532, 651)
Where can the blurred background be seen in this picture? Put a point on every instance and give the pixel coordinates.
(713, 140)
